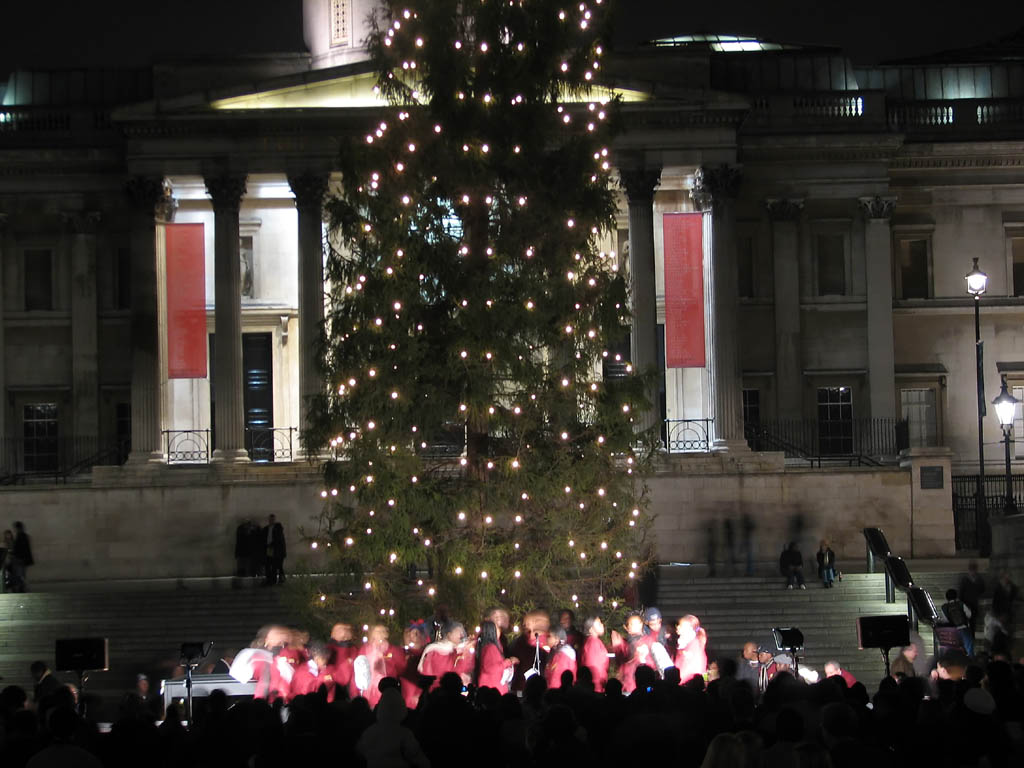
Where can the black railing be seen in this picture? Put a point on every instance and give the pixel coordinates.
(56, 457)
(687, 435)
(860, 441)
(187, 446)
(266, 444)
(972, 532)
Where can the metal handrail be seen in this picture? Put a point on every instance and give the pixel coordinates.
(687, 435)
(267, 444)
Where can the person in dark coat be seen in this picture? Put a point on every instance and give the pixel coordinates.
(21, 558)
(972, 589)
(273, 536)
(791, 564)
(826, 564)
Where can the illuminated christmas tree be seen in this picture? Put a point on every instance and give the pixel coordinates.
(481, 454)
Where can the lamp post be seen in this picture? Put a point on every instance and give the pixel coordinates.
(1006, 409)
(977, 282)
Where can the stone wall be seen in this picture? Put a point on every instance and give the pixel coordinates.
(173, 522)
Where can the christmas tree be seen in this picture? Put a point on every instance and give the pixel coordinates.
(480, 456)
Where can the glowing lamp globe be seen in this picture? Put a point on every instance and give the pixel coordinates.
(977, 281)
(1006, 406)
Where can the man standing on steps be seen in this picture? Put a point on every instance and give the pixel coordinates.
(273, 537)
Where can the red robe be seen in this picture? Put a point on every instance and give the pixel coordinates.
(410, 679)
(562, 659)
(340, 662)
(595, 658)
(261, 674)
(692, 660)
(437, 659)
(305, 682)
(492, 667)
(388, 661)
(280, 681)
(633, 652)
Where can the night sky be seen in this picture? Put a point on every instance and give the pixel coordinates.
(67, 33)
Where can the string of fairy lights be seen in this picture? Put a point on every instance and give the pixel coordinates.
(413, 233)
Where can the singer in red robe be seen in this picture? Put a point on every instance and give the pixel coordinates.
(561, 659)
(637, 649)
(446, 655)
(377, 659)
(343, 651)
(493, 670)
(414, 639)
(691, 658)
(595, 655)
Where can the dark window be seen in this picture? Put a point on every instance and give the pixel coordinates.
(38, 279)
(912, 256)
(835, 420)
(745, 266)
(918, 407)
(831, 259)
(751, 406)
(40, 433)
(123, 279)
(258, 395)
(1017, 249)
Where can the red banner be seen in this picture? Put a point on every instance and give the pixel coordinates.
(684, 290)
(186, 301)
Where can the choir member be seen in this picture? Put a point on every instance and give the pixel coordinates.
(561, 658)
(595, 655)
(290, 656)
(377, 659)
(567, 621)
(529, 647)
(637, 649)
(314, 673)
(414, 639)
(503, 622)
(343, 651)
(493, 670)
(691, 639)
(444, 655)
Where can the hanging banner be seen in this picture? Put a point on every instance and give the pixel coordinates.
(186, 301)
(684, 290)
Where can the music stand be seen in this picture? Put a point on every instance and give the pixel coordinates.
(789, 639)
(884, 633)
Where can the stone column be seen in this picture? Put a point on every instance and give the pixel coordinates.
(146, 194)
(4, 251)
(640, 184)
(714, 190)
(226, 192)
(309, 190)
(878, 268)
(81, 227)
(785, 218)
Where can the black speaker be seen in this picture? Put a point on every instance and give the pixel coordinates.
(82, 654)
(883, 632)
(788, 638)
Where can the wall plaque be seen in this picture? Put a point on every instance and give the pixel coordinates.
(931, 478)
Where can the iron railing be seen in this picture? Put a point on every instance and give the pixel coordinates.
(187, 446)
(971, 530)
(267, 444)
(687, 435)
(861, 441)
(56, 457)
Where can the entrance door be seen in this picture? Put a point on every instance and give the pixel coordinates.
(258, 395)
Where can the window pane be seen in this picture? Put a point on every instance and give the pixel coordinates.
(40, 433)
(1017, 249)
(831, 257)
(38, 280)
(918, 407)
(913, 256)
(835, 420)
(751, 406)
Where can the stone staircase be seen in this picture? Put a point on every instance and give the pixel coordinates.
(145, 628)
(736, 609)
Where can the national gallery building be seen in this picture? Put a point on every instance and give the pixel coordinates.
(836, 386)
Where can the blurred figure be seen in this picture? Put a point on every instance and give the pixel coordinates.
(567, 621)
(387, 743)
(791, 565)
(903, 666)
(377, 659)
(972, 589)
(959, 615)
(691, 640)
(561, 658)
(21, 558)
(595, 654)
(826, 564)
(833, 669)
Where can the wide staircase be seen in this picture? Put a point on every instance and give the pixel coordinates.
(734, 610)
(145, 626)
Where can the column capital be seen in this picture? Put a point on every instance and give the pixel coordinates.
(149, 195)
(640, 183)
(784, 208)
(714, 185)
(81, 222)
(877, 207)
(226, 191)
(309, 189)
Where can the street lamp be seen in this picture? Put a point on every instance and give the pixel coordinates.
(1006, 409)
(977, 282)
